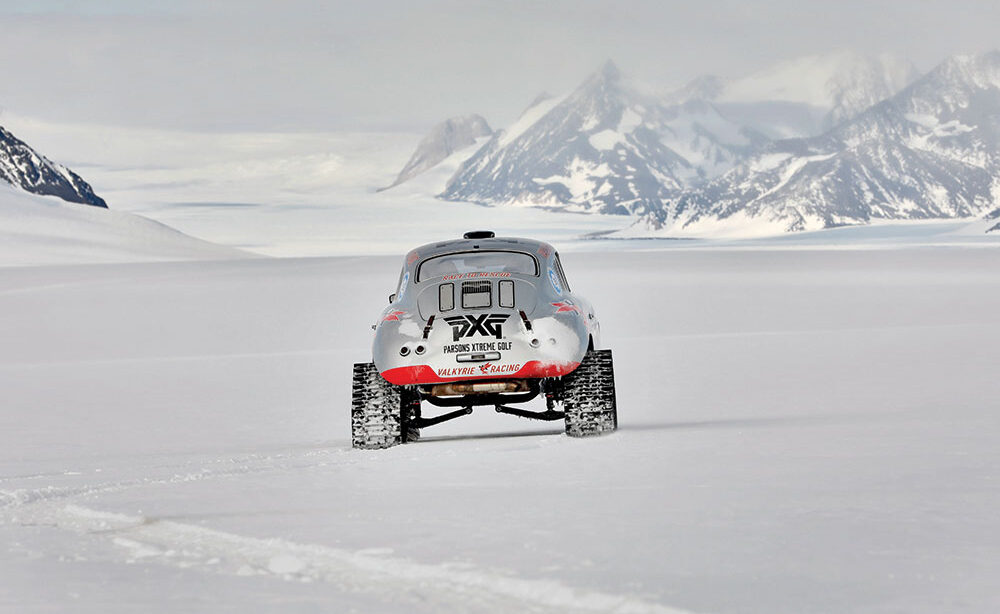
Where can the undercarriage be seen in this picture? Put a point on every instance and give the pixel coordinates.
(498, 393)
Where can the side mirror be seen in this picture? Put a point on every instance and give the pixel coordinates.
(392, 297)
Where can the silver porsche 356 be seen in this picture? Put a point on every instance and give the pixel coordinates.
(482, 321)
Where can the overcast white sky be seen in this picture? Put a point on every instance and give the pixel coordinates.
(371, 65)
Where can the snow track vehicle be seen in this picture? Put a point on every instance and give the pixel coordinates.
(482, 321)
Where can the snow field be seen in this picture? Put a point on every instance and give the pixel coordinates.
(801, 431)
(47, 230)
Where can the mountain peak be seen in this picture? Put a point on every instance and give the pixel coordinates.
(705, 87)
(25, 168)
(607, 76)
(605, 84)
(981, 70)
(818, 79)
(606, 147)
(609, 71)
(444, 139)
(840, 84)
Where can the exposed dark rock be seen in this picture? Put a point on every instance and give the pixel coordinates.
(23, 167)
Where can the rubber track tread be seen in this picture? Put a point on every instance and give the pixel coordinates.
(375, 410)
(589, 396)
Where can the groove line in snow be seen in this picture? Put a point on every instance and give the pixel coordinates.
(189, 546)
(394, 579)
(816, 331)
(171, 359)
(246, 465)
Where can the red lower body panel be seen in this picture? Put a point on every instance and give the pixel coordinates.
(424, 374)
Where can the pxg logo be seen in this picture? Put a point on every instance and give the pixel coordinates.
(487, 325)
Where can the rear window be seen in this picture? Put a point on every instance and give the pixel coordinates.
(466, 263)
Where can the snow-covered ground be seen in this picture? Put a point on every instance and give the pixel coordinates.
(47, 230)
(801, 431)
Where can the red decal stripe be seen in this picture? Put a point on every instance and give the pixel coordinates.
(393, 316)
(423, 374)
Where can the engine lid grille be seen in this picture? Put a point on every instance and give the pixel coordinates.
(476, 294)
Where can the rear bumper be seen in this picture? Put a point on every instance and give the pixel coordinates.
(425, 374)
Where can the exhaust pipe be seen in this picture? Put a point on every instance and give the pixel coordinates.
(460, 388)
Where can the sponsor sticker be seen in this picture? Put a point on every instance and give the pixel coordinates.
(488, 274)
(485, 325)
(489, 368)
(567, 305)
(403, 284)
(555, 281)
(482, 346)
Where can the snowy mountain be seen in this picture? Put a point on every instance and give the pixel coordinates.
(805, 96)
(839, 86)
(609, 148)
(24, 168)
(705, 87)
(603, 148)
(444, 139)
(931, 151)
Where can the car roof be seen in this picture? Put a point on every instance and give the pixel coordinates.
(513, 244)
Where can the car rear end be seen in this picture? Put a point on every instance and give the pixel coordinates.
(494, 329)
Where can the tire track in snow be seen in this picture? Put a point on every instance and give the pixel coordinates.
(162, 541)
(241, 465)
(183, 545)
(462, 588)
(796, 332)
(171, 359)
